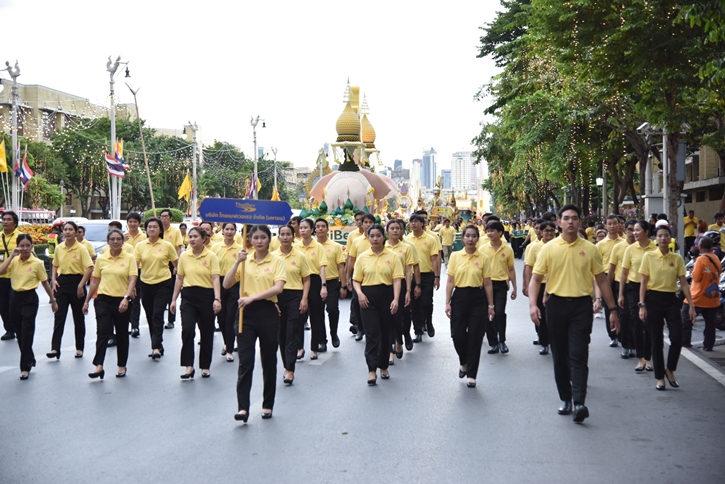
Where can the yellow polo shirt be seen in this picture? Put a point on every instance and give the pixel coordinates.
(296, 266)
(315, 254)
(690, 225)
(89, 247)
(616, 257)
(426, 246)
(719, 228)
(448, 236)
(532, 251)
(663, 270)
(633, 258)
(114, 273)
(605, 248)
(501, 260)
(373, 269)
(258, 277)
(197, 270)
(226, 256)
(72, 261)
(217, 238)
(359, 245)
(25, 276)
(173, 235)
(469, 270)
(334, 254)
(11, 241)
(126, 247)
(154, 260)
(135, 239)
(274, 244)
(352, 236)
(407, 253)
(571, 267)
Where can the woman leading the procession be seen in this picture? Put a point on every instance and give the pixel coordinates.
(227, 252)
(468, 291)
(659, 305)
(153, 257)
(72, 267)
(292, 302)
(377, 276)
(26, 272)
(114, 279)
(198, 275)
(263, 279)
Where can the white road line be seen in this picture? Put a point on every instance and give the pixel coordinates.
(321, 358)
(704, 366)
(3, 369)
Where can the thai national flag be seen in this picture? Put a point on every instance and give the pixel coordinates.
(114, 167)
(22, 170)
(119, 156)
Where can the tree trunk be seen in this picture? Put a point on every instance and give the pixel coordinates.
(673, 216)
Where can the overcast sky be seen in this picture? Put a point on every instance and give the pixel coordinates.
(219, 63)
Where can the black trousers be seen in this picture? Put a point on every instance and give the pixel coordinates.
(710, 317)
(291, 326)
(227, 317)
(610, 333)
(332, 305)
(664, 308)
(496, 329)
(469, 308)
(542, 329)
(135, 305)
(570, 327)
(355, 318)
(154, 299)
(197, 308)
(172, 316)
(67, 295)
(316, 313)
(23, 307)
(640, 331)
(689, 242)
(108, 319)
(261, 321)
(396, 329)
(423, 306)
(6, 291)
(377, 320)
(625, 325)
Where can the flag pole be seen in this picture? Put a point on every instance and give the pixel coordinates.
(241, 284)
(143, 148)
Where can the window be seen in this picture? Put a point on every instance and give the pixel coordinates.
(715, 193)
(700, 196)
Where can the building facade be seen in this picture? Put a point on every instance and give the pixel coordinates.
(464, 175)
(446, 179)
(428, 170)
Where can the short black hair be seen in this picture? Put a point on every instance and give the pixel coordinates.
(158, 221)
(539, 221)
(645, 226)
(705, 243)
(547, 223)
(662, 216)
(612, 217)
(323, 221)
(665, 227)
(717, 215)
(495, 225)
(309, 222)
(550, 216)
(183, 225)
(134, 216)
(493, 218)
(297, 219)
(13, 215)
(421, 212)
(416, 218)
(376, 227)
(115, 224)
(359, 213)
(570, 206)
(171, 214)
(369, 216)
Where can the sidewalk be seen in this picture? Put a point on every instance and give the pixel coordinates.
(716, 357)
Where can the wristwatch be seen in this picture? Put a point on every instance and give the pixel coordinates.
(129, 298)
(641, 305)
(324, 284)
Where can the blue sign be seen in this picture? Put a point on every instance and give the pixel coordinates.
(245, 211)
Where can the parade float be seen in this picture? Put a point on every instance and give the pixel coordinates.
(355, 186)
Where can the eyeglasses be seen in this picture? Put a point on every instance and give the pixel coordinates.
(549, 231)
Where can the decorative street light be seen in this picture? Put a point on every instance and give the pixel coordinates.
(600, 182)
(115, 182)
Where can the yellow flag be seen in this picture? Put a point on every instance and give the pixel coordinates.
(259, 185)
(185, 189)
(275, 195)
(3, 159)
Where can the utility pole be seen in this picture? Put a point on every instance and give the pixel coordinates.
(14, 74)
(194, 128)
(254, 123)
(274, 152)
(115, 182)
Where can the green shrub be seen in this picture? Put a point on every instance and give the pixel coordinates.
(177, 216)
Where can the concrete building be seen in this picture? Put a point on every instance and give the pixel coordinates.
(428, 170)
(483, 197)
(397, 165)
(464, 175)
(415, 181)
(446, 179)
(704, 184)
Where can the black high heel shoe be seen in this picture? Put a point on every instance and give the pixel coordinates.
(24, 377)
(79, 355)
(188, 376)
(673, 383)
(121, 375)
(53, 354)
(241, 417)
(97, 374)
(267, 415)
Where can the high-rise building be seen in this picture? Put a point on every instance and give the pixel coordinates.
(445, 179)
(398, 165)
(428, 171)
(464, 175)
(415, 179)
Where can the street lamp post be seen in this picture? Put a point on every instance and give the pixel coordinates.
(115, 182)
(194, 128)
(600, 182)
(61, 183)
(254, 123)
(14, 74)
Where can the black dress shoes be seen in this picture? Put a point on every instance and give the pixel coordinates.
(431, 330)
(493, 350)
(353, 329)
(135, 333)
(307, 325)
(418, 338)
(580, 413)
(322, 348)
(614, 343)
(408, 341)
(565, 408)
(536, 342)
(625, 353)
(7, 336)
(335, 341)
(359, 336)
(504, 349)
(544, 350)
(111, 341)
(241, 417)
(169, 325)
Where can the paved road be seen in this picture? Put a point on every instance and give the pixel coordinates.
(422, 425)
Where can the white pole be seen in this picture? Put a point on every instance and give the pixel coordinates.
(14, 73)
(193, 175)
(254, 131)
(274, 151)
(604, 191)
(665, 174)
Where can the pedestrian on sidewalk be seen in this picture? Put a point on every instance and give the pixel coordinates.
(571, 264)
